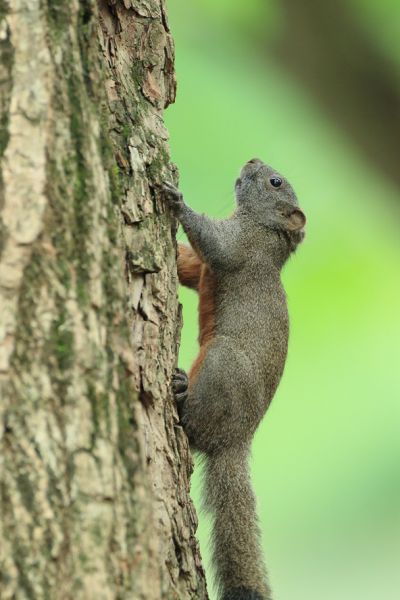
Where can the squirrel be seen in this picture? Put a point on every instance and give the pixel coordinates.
(235, 266)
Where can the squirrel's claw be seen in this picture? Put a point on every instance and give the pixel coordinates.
(173, 195)
(168, 186)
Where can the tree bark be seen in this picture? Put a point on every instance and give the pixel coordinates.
(94, 470)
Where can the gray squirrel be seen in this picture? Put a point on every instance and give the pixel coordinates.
(235, 266)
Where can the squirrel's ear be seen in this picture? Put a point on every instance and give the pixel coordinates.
(296, 220)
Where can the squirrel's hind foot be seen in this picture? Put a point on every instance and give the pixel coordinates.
(180, 384)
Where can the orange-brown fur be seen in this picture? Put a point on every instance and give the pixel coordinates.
(189, 267)
(193, 273)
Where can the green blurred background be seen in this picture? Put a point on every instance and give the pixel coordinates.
(311, 90)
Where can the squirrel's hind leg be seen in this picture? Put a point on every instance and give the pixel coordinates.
(224, 402)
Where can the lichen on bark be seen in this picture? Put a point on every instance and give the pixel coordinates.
(94, 468)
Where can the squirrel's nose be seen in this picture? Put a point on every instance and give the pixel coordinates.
(254, 161)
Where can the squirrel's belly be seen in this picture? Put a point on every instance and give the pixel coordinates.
(261, 331)
(254, 326)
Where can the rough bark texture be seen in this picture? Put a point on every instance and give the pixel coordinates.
(94, 468)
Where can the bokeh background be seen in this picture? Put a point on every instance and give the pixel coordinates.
(313, 89)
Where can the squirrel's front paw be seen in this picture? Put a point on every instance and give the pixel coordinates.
(173, 196)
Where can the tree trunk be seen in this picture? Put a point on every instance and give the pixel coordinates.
(94, 468)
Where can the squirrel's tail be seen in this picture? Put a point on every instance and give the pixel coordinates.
(237, 555)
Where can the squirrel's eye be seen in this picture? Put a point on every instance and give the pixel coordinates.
(275, 181)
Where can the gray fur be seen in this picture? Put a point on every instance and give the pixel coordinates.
(242, 594)
(244, 362)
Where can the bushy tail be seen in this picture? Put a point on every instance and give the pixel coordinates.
(237, 555)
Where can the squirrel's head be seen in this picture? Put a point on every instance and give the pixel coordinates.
(268, 198)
